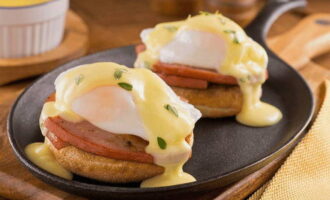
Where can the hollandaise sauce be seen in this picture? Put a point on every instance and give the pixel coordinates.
(167, 119)
(243, 59)
(19, 3)
(40, 154)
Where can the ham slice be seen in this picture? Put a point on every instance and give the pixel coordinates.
(191, 72)
(174, 74)
(184, 82)
(57, 142)
(89, 138)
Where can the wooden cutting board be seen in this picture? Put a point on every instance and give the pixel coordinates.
(17, 183)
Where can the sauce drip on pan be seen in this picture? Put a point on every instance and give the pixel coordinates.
(40, 154)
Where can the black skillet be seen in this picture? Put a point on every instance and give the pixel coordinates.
(224, 151)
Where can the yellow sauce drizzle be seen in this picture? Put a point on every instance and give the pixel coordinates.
(18, 3)
(40, 154)
(245, 60)
(255, 112)
(151, 95)
(173, 175)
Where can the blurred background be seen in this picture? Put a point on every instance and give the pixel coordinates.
(120, 23)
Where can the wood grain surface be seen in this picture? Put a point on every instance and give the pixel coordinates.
(311, 35)
(115, 24)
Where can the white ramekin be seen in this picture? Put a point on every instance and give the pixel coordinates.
(31, 30)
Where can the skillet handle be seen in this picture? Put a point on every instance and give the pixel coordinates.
(259, 27)
(309, 38)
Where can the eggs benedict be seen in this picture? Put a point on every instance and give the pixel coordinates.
(210, 61)
(115, 124)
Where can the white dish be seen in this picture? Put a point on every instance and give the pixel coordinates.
(31, 30)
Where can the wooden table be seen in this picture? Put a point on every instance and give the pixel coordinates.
(113, 24)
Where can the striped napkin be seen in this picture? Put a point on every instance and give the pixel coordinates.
(306, 172)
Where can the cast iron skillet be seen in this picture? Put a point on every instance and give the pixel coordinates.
(224, 151)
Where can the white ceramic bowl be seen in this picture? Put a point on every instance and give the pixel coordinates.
(31, 30)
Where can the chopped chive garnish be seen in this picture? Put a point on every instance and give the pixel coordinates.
(161, 143)
(171, 28)
(235, 39)
(79, 79)
(118, 73)
(147, 64)
(171, 109)
(229, 31)
(205, 13)
(125, 86)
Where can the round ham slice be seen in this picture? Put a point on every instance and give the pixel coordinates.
(89, 138)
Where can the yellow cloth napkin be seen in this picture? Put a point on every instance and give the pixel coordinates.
(306, 172)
